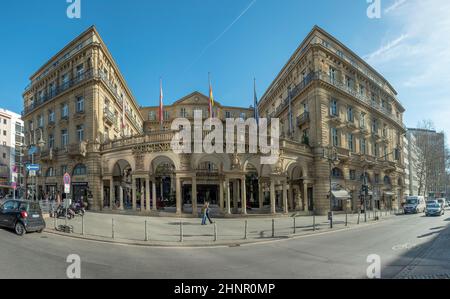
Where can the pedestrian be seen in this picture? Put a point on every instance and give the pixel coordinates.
(208, 214)
(204, 214)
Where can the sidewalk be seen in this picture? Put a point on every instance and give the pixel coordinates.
(166, 231)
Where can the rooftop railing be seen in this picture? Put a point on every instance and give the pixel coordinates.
(320, 76)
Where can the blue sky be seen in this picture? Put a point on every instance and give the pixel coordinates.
(235, 40)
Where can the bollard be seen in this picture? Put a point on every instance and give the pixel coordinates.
(112, 229)
(215, 232)
(245, 229)
(273, 228)
(55, 221)
(359, 216)
(295, 226)
(146, 232)
(82, 225)
(346, 219)
(314, 222)
(181, 231)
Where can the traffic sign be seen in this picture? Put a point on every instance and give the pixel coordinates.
(33, 167)
(32, 150)
(66, 180)
(32, 173)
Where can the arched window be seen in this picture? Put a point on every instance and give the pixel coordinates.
(337, 173)
(80, 169)
(50, 172)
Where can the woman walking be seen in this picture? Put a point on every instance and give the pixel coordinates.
(204, 213)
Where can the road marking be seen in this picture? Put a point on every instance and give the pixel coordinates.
(405, 246)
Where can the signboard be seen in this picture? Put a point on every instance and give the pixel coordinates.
(14, 185)
(66, 180)
(33, 167)
(32, 173)
(32, 150)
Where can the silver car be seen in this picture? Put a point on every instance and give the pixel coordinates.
(434, 208)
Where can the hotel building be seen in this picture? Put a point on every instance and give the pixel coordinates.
(341, 121)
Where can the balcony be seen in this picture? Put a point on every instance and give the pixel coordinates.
(76, 150)
(335, 118)
(58, 90)
(364, 130)
(388, 166)
(49, 155)
(109, 117)
(351, 125)
(303, 119)
(343, 153)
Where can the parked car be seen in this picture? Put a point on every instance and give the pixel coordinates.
(22, 216)
(414, 205)
(443, 202)
(434, 208)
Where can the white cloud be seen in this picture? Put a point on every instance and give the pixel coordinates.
(417, 57)
(394, 6)
(385, 49)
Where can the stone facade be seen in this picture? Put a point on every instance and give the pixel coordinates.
(339, 119)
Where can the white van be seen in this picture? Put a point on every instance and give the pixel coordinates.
(415, 205)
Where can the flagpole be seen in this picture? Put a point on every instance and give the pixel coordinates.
(160, 104)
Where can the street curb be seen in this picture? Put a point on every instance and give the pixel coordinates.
(237, 243)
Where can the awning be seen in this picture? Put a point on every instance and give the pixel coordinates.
(341, 194)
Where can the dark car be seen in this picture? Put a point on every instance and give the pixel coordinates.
(22, 216)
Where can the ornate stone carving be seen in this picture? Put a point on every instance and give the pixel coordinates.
(139, 159)
(279, 165)
(235, 161)
(83, 148)
(185, 161)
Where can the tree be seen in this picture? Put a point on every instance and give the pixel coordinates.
(432, 160)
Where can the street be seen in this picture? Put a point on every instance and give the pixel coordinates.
(409, 246)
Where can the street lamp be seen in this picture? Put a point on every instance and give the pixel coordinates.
(333, 160)
(40, 144)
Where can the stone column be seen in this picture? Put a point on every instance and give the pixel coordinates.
(142, 195)
(305, 196)
(272, 197)
(221, 205)
(243, 197)
(291, 196)
(178, 195)
(228, 197)
(285, 198)
(235, 196)
(261, 194)
(133, 192)
(155, 208)
(102, 194)
(147, 194)
(194, 196)
(162, 189)
(121, 197)
(111, 193)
